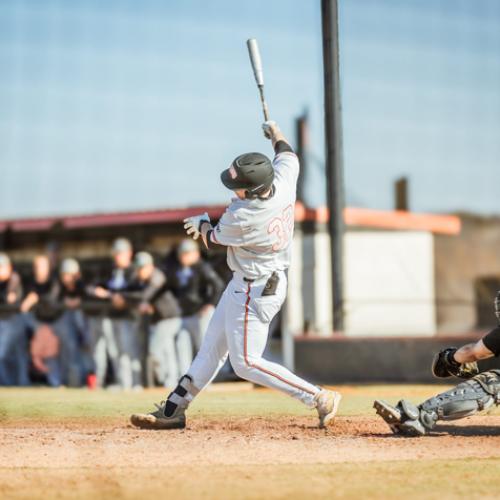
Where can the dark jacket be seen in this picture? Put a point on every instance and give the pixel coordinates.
(118, 281)
(13, 284)
(193, 287)
(156, 293)
(78, 292)
(48, 307)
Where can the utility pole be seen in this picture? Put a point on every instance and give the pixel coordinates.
(334, 156)
(401, 194)
(301, 134)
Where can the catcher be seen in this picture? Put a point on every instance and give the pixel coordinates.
(478, 392)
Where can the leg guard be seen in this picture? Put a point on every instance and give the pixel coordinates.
(181, 396)
(467, 398)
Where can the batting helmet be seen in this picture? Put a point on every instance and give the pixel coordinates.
(253, 172)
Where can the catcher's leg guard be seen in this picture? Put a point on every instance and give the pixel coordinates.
(467, 398)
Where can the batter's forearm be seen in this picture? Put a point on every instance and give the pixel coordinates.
(278, 139)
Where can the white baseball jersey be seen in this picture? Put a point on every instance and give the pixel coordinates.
(258, 232)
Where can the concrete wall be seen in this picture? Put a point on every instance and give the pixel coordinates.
(389, 282)
(344, 360)
(293, 308)
(460, 261)
(389, 285)
(316, 282)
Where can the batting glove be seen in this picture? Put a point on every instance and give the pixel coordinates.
(269, 128)
(497, 306)
(192, 225)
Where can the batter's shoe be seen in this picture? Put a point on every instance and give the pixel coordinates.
(158, 420)
(327, 405)
(404, 418)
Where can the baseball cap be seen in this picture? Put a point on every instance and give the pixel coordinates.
(121, 245)
(69, 266)
(142, 259)
(186, 246)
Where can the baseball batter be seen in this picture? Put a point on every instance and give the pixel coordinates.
(257, 229)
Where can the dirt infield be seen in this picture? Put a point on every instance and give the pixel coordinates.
(227, 454)
(254, 440)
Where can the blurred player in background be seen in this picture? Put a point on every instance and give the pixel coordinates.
(478, 393)
(117, 336)
(169, 346)
(197, 288)
(13, 341)
(42, 310)
(73, 327)
(257, 229)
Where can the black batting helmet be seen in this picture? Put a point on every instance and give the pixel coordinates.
(253, 172)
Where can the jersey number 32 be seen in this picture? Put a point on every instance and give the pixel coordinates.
(282, 228)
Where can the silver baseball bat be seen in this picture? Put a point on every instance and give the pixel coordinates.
(253, 52)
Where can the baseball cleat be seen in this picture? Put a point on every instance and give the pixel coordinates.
(390, 414)
(402, 418)
(327, 405)
(157, 419)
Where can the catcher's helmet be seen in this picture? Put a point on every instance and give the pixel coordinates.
(253, 172)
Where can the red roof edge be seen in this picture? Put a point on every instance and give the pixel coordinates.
(146, 217)
(386, 219)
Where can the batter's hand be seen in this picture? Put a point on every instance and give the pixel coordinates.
(192, 225)
(270, 128)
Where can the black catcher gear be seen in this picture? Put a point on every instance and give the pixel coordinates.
(492, 341)
(444, 365)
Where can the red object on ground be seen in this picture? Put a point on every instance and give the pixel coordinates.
(91, 381)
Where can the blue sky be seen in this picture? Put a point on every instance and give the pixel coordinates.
(124, 105)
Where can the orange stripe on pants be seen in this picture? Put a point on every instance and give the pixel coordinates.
(245, 350)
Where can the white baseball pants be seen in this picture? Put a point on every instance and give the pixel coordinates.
(240, 327)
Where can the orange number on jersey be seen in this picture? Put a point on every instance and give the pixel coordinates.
(282, 228)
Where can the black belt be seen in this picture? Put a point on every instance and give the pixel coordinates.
(271, 284)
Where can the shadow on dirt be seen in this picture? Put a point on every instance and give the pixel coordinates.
(470, 430)
(445, 430)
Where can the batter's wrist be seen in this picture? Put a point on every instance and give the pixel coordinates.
(204, 226)
(206, 230)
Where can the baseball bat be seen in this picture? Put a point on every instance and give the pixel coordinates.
(258, 72)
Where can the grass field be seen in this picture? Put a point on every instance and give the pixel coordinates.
(240, 443)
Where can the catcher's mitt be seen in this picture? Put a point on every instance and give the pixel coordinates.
(444, 365)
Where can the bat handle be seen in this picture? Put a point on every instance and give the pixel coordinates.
(265, 109)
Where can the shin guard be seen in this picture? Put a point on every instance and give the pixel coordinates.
(467, 398)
